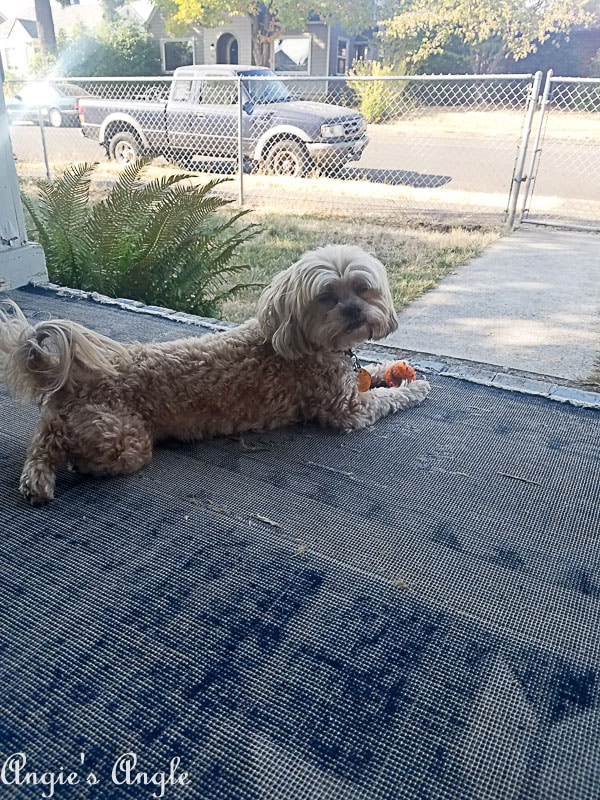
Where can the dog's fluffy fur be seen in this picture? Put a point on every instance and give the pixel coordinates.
(104, 405)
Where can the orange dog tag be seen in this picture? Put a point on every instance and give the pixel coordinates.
(363, 379)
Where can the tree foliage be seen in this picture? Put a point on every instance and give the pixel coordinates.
(493, 29)
(116, 48)
(269, 18)
(161, 241)
(45, 25)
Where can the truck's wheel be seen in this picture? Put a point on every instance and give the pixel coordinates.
(287, 157)
(124, 147)
(55, 118)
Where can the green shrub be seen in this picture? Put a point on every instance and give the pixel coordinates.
(116, 48)
(379, 100)
(160, 241)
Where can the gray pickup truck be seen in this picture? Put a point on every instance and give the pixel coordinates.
(200, 119)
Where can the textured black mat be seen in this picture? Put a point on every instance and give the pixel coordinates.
(408, 612)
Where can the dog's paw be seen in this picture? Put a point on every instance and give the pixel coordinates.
(420, 389)
(37, 485)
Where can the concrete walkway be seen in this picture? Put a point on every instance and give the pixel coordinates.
(530, 302)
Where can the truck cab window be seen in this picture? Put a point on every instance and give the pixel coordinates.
(219, 93)
(182, 91)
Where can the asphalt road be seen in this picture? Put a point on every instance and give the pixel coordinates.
(471, 164)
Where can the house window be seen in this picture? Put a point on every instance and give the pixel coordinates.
(292, 54)
(361, 51)
(177, 53)
(30, 51)
(11, 56)
(342, 57)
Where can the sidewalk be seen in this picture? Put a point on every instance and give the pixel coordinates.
(530, 302)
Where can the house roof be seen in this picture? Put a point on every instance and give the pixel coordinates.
(65, 19)
(30, 26)
(6, 28)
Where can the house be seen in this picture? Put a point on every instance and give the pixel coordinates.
(18, 43)
(573, 55)
(322, 49)
(19, 37)
(21, 261)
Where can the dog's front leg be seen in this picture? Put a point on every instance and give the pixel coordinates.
(378, 403)
(46, 452)
(366, 408)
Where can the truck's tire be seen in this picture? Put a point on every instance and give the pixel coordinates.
(55, 117)
(287, 157)
(124, 147)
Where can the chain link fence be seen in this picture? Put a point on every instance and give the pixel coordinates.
(563, 176)
(441, 148)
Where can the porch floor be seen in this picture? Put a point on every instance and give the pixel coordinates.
(409, 611)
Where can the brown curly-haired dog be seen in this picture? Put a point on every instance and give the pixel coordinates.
(104, 405)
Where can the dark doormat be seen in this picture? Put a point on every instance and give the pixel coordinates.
(410, 611)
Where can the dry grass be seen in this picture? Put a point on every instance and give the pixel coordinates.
(417, 250)
(416, 259)
(428, 122)
(595, 376)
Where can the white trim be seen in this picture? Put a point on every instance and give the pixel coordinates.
(168, 40)
(337, 53)
(22, 265)
(278, 132)
(20, 261)
(290, 73)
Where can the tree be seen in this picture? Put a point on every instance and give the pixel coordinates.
(45, 28)
(46, 31)
(112, 49)
(110, 9)
(494, 30)
(268, 18)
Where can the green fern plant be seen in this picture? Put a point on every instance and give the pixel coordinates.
(163, 241)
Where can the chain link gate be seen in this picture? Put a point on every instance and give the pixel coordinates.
(561, 187)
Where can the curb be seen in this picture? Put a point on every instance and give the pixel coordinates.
(489, 375)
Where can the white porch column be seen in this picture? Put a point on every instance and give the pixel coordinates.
(20, 261)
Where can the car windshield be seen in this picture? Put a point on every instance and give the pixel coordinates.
(70, 90)
(267, 91)
(37, 94)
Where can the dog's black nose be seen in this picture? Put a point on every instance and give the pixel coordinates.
(352, 312)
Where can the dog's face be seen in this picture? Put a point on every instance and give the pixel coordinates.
(332, 299)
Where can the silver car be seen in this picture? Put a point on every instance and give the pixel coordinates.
(57, 103)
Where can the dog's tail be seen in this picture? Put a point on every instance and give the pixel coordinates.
(39, 360)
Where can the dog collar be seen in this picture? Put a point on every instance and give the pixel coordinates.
(363, 378)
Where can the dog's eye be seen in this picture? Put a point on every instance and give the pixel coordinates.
(327, 298)
(361, 288)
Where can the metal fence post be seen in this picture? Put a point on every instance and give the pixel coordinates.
(240, 141)
(532, 171)
(518, 175)
(44, 148)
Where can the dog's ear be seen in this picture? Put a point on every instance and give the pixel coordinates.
(280, 314)
(393, 321)
(384, 287)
